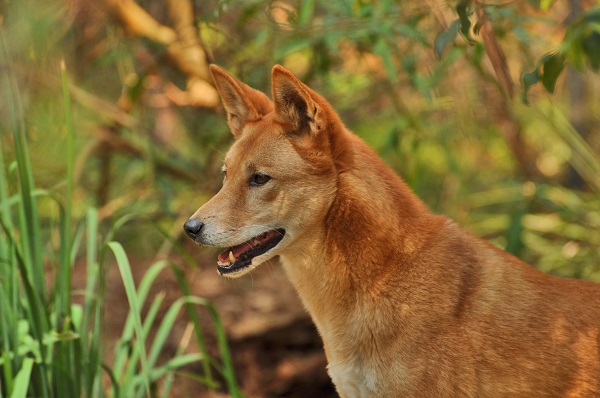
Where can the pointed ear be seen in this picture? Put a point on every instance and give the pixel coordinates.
(242, 102)
(295, 102)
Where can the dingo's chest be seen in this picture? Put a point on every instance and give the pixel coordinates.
(353, 380)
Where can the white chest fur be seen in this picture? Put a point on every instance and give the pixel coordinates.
(353, 380)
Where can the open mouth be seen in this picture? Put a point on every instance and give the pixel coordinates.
(239, 257)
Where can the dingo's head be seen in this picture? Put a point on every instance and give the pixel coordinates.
(279, 175)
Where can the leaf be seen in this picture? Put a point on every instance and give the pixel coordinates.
(444, 38)
(546, 4)
(529, 79)
(576, 55)
(592, 15)
(22, 380)
(591, 46)
(582, 39)
(553, 65)
(462, 9)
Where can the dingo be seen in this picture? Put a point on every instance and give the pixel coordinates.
(406, 302)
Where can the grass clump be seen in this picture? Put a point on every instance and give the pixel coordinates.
(50, 345)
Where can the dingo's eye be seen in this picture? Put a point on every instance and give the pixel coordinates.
(259, 179)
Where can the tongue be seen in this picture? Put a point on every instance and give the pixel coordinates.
(240, 249)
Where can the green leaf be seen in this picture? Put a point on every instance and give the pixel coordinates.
(462, 9)
(444, 38)
(592, 15)
(529, 79)
(553, 65)
(576, 55)
(22, 379)
(543, 5)
(591, 46)
(546, 4)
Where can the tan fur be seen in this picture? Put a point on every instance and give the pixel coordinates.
(407, 303)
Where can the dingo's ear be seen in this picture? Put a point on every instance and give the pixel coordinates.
(242, 102)
(293, 101)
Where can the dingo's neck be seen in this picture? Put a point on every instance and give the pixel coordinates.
(373, 228)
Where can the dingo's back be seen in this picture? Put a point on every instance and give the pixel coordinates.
(407, 303)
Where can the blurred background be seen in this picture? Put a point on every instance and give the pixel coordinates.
(490, 112)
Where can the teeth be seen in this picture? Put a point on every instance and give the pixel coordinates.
(231, 257)
(255, 242)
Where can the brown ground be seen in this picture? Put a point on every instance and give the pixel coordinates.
(275, 347)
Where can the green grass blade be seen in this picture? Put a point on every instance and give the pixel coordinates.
(127, 335)
(186, 257)
(22, 379)
(132, 297)
(193, 316)
(4, 195)
(9, 335)
(113, 381)
(29, 255)
(172, 365)
(114, 228)
(63, 299)
(28, 214)
(163, 330)
(128, 381)
(92, 309)
(170, 376)
(8, 284)
(228, 370)
(35, 305)
(67, 357)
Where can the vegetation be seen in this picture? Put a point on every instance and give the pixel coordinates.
(131, 129)
(51, 346)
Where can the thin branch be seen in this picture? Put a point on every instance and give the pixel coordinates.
(495, 53)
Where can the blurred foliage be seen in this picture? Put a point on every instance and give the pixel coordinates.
(580, 46)
(52, 335)
(415, 79)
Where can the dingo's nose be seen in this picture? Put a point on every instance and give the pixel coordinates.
(192, 227)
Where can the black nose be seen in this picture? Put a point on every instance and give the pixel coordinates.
(192, 227)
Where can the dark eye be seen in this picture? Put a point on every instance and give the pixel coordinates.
(259, 179)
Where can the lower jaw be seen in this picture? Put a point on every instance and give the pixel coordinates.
(234, 269)
(239, 268)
